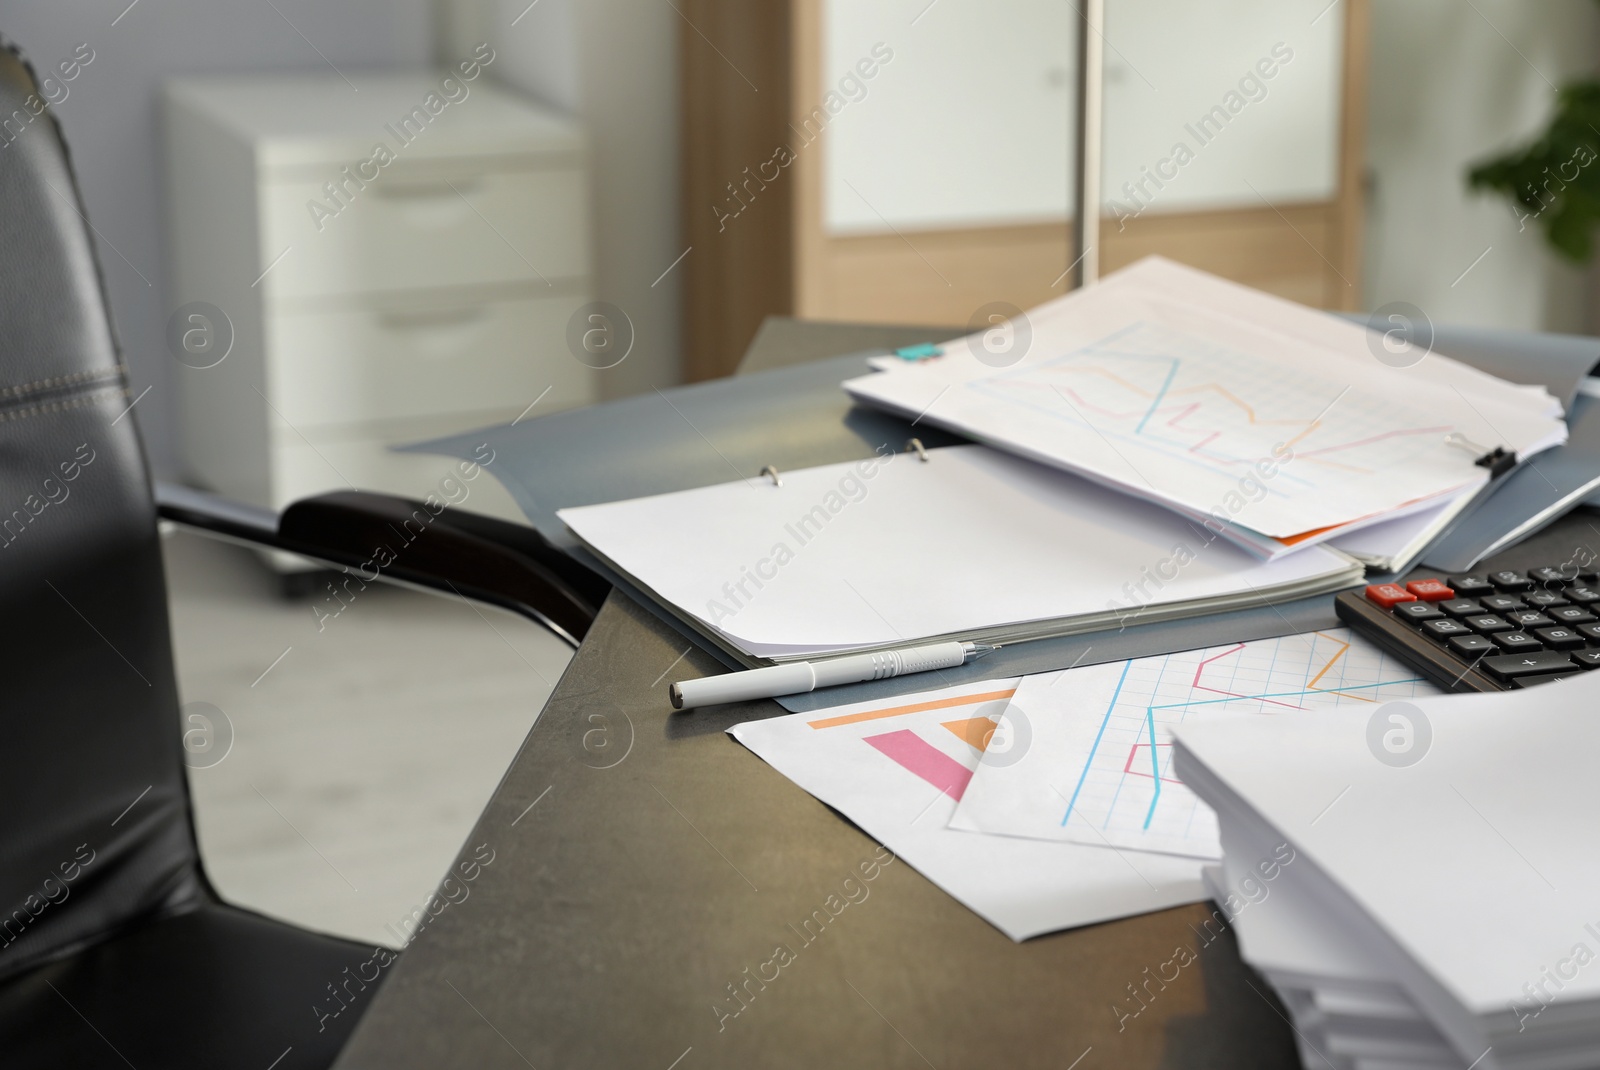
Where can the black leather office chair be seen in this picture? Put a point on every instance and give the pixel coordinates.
(114, 949)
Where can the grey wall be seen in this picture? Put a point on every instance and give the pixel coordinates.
(1453, 83)
(111, 124)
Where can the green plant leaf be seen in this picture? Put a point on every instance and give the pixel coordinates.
(1555, 179)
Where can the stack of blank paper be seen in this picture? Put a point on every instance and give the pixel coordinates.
(1419, 880)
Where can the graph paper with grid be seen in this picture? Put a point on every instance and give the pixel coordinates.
(1099, 764)
(1219, 401)
(1163, 395)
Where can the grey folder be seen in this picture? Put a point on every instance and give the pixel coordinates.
(798, 417)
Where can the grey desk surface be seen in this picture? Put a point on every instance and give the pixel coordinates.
(620, 907)
(643, 862)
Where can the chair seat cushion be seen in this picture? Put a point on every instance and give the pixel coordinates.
(213, 987)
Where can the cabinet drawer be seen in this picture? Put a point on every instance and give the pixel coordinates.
(388, 362)
(406, 232)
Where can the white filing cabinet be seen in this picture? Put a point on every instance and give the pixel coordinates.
(427, 290)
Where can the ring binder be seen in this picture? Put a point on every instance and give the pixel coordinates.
(768, 470)
(916, 444)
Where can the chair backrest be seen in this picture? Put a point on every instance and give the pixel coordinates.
(94, 810)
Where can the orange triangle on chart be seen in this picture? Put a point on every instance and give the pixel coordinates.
(974, 731)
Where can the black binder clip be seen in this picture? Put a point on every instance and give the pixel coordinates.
(1498, 461)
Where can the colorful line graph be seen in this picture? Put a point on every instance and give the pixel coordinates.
(1270, 698)
(1164, 392)
(1100, 767)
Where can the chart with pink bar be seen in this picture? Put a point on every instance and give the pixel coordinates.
(922, 759)
(899, 767)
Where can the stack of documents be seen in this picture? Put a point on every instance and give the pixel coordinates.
(899, 767)
(1417, 879)
(969, 543)
(1049, 801)
(1275, 425)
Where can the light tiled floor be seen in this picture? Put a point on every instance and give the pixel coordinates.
(362, 752)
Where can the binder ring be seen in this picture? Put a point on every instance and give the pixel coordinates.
(768, 470)
(916, 444)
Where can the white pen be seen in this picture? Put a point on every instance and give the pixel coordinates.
(803, 676)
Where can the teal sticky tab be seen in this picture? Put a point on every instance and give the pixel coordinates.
(919, 352)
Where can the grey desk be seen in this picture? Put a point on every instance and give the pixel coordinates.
(642, 863)
(620, 907)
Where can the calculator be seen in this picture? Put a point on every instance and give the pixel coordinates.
(1485, 631)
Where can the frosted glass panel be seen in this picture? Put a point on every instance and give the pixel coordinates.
(969, 122)
(1245, 91)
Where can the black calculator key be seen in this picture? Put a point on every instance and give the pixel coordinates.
(1529, 618)
(1560, 638)
(1502, 603)
(1417, 612)
(1473, 647)
(1591, 630)
(1444, 628)
(1460, 607)
(1471, 586)
(1552, 577)
(1547, 678)
(1511, 666)
(1487, 625)
(1543, 599)
(1517, 642)
(1586, 659)
(1510, 581)
(1583, 596)
(1588, 573)
(1570, 615)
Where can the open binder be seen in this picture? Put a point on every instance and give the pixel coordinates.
(959, 543)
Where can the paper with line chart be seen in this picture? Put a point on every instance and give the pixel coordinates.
(1221, 401)
(1098, 767)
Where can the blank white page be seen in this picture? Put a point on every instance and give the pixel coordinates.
(895, 549)
(1478, 861)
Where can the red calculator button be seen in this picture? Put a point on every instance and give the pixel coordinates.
(1389, 595)
(1430, 590)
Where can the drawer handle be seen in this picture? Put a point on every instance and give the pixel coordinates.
(415, 191)
(447, 317)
